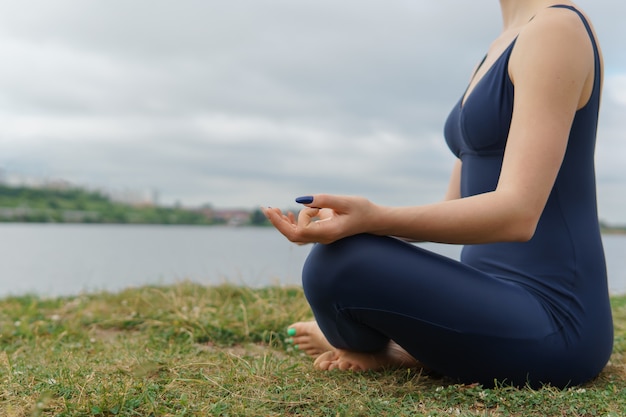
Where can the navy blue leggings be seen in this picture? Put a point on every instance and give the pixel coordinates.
(454, 319)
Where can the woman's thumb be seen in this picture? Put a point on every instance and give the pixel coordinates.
(320, 201)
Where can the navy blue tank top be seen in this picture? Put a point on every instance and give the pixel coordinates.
(563, 264)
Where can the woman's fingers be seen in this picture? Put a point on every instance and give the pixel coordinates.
(326, 213)
(307, 216)
(290, 226)
(280, 221)
(325, 218)
(325, 201)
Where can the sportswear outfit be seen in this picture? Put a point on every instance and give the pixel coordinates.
(532, 313)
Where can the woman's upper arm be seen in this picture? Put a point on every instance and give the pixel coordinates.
(551, 68)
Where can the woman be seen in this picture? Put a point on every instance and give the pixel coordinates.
(528, 302)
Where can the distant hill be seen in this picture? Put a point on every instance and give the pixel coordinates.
(76, 205)
(612, 229)
(66, 204)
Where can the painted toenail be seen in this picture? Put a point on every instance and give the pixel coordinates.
(291, 331)
(289, 340)
(296, 347)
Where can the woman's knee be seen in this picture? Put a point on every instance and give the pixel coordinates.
(331, 269)
(319, 271)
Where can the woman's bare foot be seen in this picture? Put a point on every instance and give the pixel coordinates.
(393, 356)
(309, 339)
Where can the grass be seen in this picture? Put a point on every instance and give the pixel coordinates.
(190, 350)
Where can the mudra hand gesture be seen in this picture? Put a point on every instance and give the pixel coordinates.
(325, 218)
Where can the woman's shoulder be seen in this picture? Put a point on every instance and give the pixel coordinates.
(557, 27)
(555, 40)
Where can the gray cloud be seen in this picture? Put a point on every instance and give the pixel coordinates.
(243, 102)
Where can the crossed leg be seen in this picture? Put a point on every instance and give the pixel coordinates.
(370, 295)
(310, 339)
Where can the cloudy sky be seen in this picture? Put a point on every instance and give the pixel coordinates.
(240, 103)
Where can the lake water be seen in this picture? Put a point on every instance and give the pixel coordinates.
(55, 259)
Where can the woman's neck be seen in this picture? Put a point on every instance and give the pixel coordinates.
(516, 13)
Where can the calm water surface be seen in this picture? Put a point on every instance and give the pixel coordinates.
(52, 259)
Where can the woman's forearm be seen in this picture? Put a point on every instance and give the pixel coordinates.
(484, 218)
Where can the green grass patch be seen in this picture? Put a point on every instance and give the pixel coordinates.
(190, 350)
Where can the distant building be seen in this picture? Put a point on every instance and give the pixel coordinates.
(134, 198)
(231, 217)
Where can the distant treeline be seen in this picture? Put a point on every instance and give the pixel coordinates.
(613, 229)
(77, 205)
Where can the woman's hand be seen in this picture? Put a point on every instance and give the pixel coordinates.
(325, 219)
